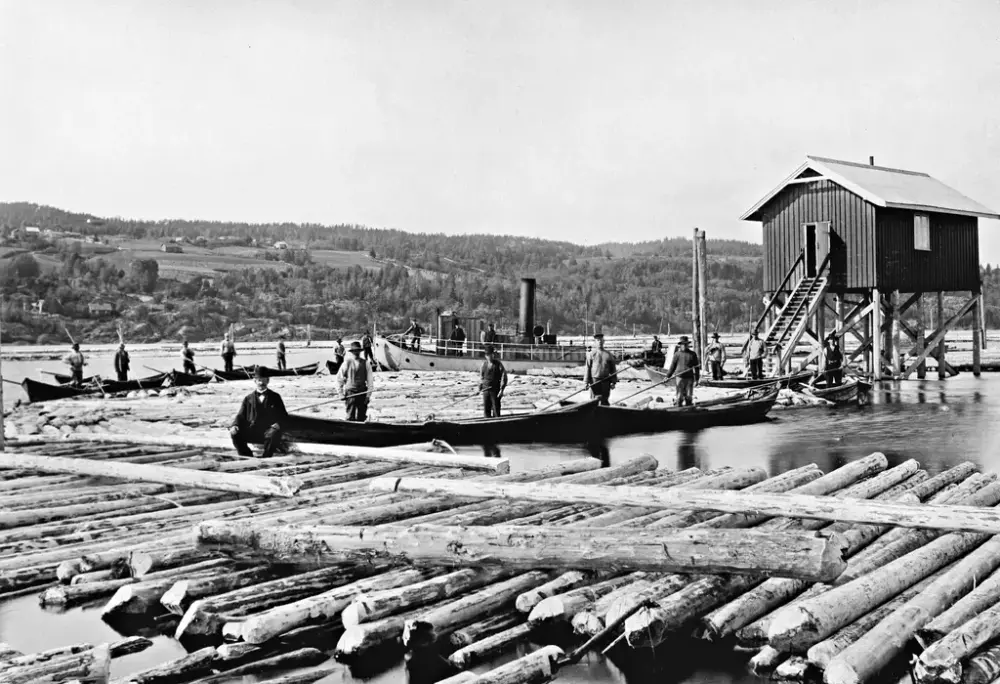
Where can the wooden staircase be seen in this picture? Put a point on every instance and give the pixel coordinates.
(793, 319)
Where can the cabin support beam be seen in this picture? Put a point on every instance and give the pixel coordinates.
(876, 326)
(939, 335)
(942, 371)
(921, 342)
(977, 333)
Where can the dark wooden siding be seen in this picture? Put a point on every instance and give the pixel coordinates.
(852, 238)
(951, 264)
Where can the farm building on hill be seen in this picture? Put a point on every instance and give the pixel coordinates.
(100, 308)
(866, 243)
(171, 247)
(281, 245)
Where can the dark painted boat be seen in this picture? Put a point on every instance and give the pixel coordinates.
(246, 372)
(657, 375)
(176, 378)
(573, 424)
(852, 390)
(43, 391)
(66, 379)
(616, 421)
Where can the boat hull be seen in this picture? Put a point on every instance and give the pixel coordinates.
(179, 379)
(616, 421)
(393, 356)
(657, 375)
(246, 372)
(851, 391)
(570, 425)
(42, 391)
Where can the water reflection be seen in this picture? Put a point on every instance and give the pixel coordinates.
(687, 451)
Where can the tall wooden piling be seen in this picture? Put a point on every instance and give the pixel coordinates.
(695, 302)
(702, 341)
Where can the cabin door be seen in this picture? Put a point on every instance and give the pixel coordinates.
(816, 241)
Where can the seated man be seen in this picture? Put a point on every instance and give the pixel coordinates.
(259, 419)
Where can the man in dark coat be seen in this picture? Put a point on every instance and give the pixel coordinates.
(281, 354)
(187, 355)
(601, 372)
(834, 368)
(260, 418)
(356, 384)
(685, 367)
(458, 338)
(122, 363)
(493, 382)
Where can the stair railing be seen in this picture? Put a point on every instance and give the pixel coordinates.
(772, 304)
(785, 353)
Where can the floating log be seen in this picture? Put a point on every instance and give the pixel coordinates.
(132, 472)
(797, 628)
(185, 668)
(358, 640)
(309, 677)
(389, 454)
(178, 598)
(765, 660)
(951, 518)
(793, 554)
(477, 631)
(983, 668)
(366, 607)
(566, 605)
(259, 628)
(302, 657)
(534, 668)
(985, 595)
(793, 669)
(486, 648)
(426, 628)
(564, 582)
(92, 666)
(141, 596)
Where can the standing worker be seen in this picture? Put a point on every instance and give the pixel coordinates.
(755, 351)
(834, 368)
(228, 351)
(259, 419)
(187, 355)
(76, 362)
(366, 343)
(122, 363)
(338, 356)
(356, 384)
(416, 331)
(493, 382)
(281, 354)
(458, 337)
(489, 336)
(716, 353)
(600, 373)
(685, 366)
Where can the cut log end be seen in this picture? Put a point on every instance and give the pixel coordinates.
(791, 630)
(840, 672)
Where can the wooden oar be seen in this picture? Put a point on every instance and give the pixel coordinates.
(153, 369)
(48, 372)
(455, 403)
(559, 401)
(661, 382)
(329, 401)
(13, 382)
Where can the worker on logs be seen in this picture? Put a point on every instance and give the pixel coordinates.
(356, 383)
(458, 338)
(228, 351)
(601, 371)
(716, 353)
(685, 366)
(754, 355)
(187, 356)
(122, 363)
(833, 369)
(259, 419)
(76, 362)
(281, 354)
(493, 383)
(338, 355)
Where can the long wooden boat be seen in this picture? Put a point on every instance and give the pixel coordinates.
(435, 355)
(619, 420)
(570, 425)
(851, 391)
(42, 391)
(66, 379)
(178, 378)
(658, 375)
(246, 372)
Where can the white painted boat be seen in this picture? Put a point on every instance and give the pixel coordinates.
(435, 355)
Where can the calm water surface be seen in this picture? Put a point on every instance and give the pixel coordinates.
(940, 423)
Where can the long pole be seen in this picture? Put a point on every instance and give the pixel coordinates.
(695, 309)
(702, 291)
(2, 433)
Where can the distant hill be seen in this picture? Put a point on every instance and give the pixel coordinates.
(342, 278)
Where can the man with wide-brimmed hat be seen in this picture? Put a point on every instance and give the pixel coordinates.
(685, 367)
(601, 372)
(716, 353)
(833, 369)
(259, 420)
(356, 382)
(493, 382)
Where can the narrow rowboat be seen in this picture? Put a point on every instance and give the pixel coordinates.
(570, 425)
(66, 379)
(658, 375)
(178, 378)
(852, 390)
(246, 372)
(42, 391)
(616, 421)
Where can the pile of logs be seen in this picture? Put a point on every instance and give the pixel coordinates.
(838, 576)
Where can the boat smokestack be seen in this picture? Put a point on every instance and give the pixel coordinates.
(527, 306)
(871, 161)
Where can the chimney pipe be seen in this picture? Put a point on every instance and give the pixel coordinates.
(871, 161)
(527, 321)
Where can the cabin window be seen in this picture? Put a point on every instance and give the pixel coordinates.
(922, 232)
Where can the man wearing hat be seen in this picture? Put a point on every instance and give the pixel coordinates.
(716, 353)
(228, 351)
(122, 363)
(833, 368)
(493, 382)
(187, 356)
(755, 351)
(685, 367)
(76, 362)
(259, 420)
(281, 354)
(356, 383)
(601, 372)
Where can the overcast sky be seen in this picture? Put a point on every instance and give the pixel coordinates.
(578, 120)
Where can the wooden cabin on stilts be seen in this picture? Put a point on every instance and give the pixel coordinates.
(861, 252)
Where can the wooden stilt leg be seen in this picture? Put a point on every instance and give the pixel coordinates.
(977, 334)
(895, 351)
(942, 367)
(921, 332)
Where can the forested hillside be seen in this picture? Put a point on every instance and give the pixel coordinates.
(396, 275)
